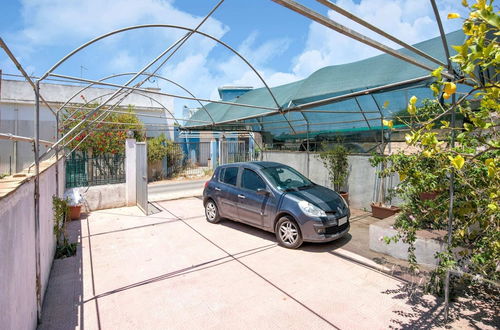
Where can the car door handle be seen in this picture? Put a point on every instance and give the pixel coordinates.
(217, 189)
(241, 196)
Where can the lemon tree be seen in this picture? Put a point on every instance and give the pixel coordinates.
(471, 164)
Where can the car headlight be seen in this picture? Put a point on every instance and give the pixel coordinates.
(311, 210)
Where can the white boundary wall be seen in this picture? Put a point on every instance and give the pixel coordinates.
(17, 248)
(361, 180)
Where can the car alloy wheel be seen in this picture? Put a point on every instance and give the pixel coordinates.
(211, 212)
(288, 233)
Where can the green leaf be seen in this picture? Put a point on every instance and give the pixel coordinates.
(437, 73)
(457, 161)
(402, 176)
(492, 207)
(490, 17)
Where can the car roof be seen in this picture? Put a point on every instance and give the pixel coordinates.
(255, 165)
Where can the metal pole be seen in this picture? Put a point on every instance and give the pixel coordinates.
(307, 12)
(36, 146)
(381, 121)
(57, 155)
(20, 68)
(379, 31)
(122, 87)
(452, 173)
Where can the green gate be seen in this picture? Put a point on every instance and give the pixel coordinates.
(82, 171)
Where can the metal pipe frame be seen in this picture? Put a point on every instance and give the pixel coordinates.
(335, 99)
(307, 12)
(274, 110)
(55, 66)
(25, 75)
(82, 107)
(144, 114)
(326, 123)
(104, 115)
(179, 42)
(375, 29)
(132, 73)
(452, 144)
(13, 137)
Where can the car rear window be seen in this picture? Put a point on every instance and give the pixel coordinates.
(229, 175)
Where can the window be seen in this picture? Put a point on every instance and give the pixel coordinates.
(221, 174)
(229, 175)
(251, 180)
(285, 177)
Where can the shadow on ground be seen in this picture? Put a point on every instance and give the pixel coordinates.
(66, 287)
(479, 307)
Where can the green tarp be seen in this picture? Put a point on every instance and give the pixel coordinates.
(329, 82)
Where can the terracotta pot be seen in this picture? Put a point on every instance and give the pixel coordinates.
(382, 212)
(345, 195)
(74, 212)
(428, 195)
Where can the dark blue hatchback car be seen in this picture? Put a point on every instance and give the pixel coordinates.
(276, 198)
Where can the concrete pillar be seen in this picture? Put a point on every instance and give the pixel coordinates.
(213, 154)
(131, 171)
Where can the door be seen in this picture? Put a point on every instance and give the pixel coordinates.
(253, 208)
(228, 194)
(142, 176)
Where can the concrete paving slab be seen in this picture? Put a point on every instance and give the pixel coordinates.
(174, 270)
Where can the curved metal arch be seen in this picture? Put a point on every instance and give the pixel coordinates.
(134, 73)
(147, 96)
(55, 66)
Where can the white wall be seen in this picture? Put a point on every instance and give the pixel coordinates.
(103, 196)
(17, 249)
(17, 113)
(361, 180)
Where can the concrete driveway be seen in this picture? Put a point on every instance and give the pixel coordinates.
(175, 270)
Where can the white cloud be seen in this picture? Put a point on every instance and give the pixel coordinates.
(199, 65)
(50, 21)
(409, 20)
(123, 61)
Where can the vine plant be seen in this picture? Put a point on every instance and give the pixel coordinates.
(61, 215)
(474, 160)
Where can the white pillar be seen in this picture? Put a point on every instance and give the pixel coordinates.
(130, 172)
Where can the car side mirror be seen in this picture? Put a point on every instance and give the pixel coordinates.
(263, 191)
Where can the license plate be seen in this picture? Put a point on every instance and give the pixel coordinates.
(342, 221)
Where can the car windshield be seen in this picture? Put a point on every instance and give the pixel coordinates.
(286, 178)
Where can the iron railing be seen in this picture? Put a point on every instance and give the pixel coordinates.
(82, 171)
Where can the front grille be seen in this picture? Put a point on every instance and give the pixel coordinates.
(336, 229)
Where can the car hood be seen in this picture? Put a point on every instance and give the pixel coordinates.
(327, 199)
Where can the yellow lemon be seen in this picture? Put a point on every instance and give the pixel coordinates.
(450, 88)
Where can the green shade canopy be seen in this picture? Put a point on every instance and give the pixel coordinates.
(362, 111)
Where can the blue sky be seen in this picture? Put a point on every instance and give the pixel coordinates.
(283, 45)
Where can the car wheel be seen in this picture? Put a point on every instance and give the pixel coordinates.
(211, 212)
(288, 233)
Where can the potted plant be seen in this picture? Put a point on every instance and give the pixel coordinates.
(75, 201)
(335, 161)
(382, 206)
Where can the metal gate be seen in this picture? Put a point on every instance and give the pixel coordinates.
(234, 151)
(142, 176)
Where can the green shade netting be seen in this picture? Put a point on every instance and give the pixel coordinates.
(329, 82)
